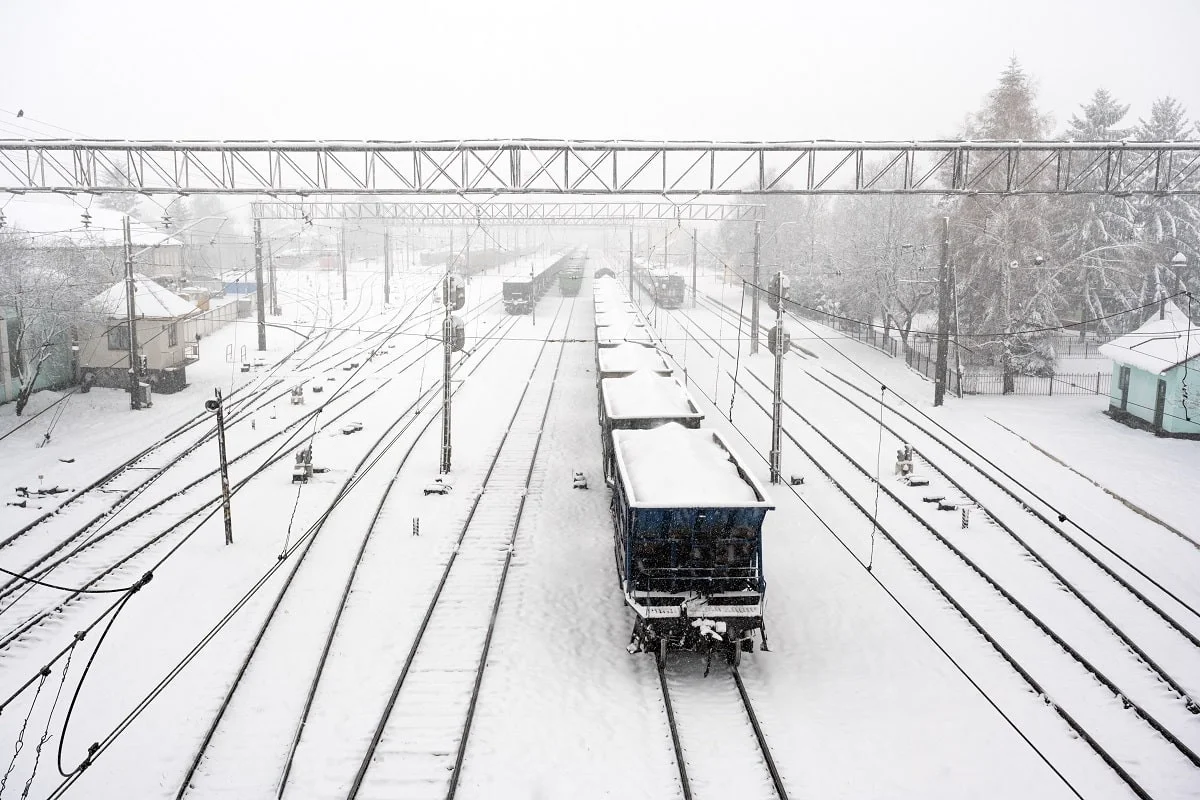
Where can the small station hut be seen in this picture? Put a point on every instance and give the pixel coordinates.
(164, 332)
(1156, 375)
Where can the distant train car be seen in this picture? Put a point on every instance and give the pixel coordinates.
(569, 282)
(688, 520)
(518, 295)
(665, 290)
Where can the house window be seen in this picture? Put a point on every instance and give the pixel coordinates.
(118, 337)
(172, 335)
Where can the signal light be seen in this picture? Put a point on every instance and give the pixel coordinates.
(457, 333)
(776, 292)
(776, 343)
(454, 292)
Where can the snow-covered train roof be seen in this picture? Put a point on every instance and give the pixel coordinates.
(676, 466)
(647, 395)
(609, 335)
(618, 319)
(631, 357)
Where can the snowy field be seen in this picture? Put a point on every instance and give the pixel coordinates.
(874, 687)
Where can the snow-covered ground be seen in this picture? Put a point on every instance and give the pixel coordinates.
(874, 687)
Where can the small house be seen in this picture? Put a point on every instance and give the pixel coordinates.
(165, 337)
(1156, 375)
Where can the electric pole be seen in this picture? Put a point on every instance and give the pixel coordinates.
(447, 335)
(258, 285)
(631, 265)
(217, 406)
(939, 378)
(779, 344)
(754, 293)
(135, 364)
(695, 244)
(387, 266)
(345, 265)
(275, 309)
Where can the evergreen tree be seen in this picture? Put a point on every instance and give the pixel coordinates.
(1168, 122)
(1100, 120)
(999, 245)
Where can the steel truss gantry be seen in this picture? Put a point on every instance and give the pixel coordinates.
(531, 167)
(490, 213)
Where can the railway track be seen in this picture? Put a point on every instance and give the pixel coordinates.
(169, 450)
(715, 732)
(295, 556)
(420, 741)
(116, 549)
(40, 561)
(1092, 703)
(304, 756)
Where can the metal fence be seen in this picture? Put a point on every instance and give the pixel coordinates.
(921, 356)
(1060, 383)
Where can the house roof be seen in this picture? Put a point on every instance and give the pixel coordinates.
(1159, 344)
(149, 300)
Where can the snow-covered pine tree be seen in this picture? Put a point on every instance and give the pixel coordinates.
(1006, 285)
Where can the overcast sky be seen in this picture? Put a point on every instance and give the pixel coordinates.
(848, 69)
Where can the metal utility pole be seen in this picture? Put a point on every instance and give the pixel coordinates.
(695, 244)
(219, 407)
(275, 309)
(447, 334)
(754, 292)
(631, 264)
(135, 364)
(258, 285)
(345, 264)
(387, 267)
(939, 377)
(777, 402)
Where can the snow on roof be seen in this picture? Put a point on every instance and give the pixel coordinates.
(609, 335)
(645, 395)
(149, 300)
(672, 466)
(1159, 344)
(618, 319)
(631, 357)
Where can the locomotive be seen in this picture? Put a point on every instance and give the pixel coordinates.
(665, 289)
(687, 515)
(521, 294)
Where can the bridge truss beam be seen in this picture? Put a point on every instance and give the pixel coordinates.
(567, 213)
(533, 167)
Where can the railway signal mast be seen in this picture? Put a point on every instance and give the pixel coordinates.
(454, 297)
(778, 340)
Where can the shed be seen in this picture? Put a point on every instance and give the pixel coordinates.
(165, 334)
(1156, 375)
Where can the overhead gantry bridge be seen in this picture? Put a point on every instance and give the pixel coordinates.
(540, 167)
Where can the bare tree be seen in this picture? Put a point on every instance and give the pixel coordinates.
(46, 288)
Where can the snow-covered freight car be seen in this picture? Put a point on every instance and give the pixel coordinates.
(641, 401)
(688, 519)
